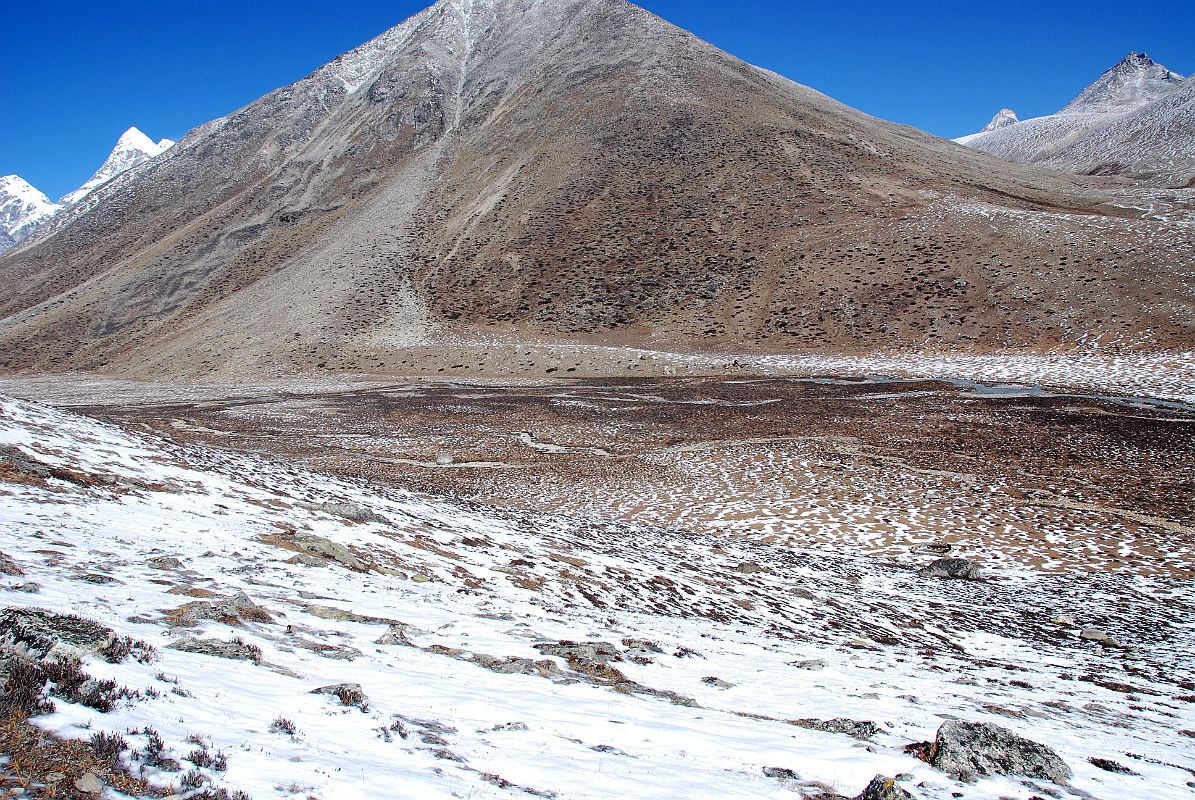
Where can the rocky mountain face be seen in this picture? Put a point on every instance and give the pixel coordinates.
(1137, 119)
(578, 171)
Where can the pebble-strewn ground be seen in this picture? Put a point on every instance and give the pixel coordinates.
(1005, 474)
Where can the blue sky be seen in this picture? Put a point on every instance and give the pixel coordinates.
(74, 75)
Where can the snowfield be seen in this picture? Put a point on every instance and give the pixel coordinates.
(710, 647)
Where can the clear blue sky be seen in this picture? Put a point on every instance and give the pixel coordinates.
(74, 75)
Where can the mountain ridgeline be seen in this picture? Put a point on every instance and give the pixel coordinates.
(572, 171)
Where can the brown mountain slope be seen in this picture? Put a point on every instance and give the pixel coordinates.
(574, 169)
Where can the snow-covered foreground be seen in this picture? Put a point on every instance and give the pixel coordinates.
(714, 644)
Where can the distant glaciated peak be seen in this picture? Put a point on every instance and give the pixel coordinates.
(132, 148)
(1134, 81)
(22, 210)
(1003, 119)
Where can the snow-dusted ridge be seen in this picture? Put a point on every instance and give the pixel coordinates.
(1127, 120)
(461, 702)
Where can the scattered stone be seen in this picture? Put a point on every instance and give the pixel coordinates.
(968, 751)
(952, 569)
(1108, 765)
(89, 783)
(395, 634)
(349, 694)
(355, 512)
(848, 727)
(809, 663)
(8, 566)
(1098, 636)
(236, 649)
(716, 682)
(882, 788)
(97, 578)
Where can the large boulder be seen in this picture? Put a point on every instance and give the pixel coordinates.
(40, 632)
(968, 751)
(951, 568)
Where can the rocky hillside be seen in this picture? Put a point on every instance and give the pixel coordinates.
(574, 170)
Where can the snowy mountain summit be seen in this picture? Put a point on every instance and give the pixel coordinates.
(1135, 119)
(132, 149)
(1135, 81)
(22, 209)
(1003, 119)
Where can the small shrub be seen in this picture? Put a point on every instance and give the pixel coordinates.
(122, 647)
(109, 746)
(193, 779)
(25, 691)
(283, 725)
(154, 753)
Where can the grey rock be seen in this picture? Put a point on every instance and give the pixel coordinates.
(349, 694)
(809, 664)
(235, 610)
(236, 649)
(968, 751)
(395, 634)
(883, 788)
(325, 548)
(512, 665)
(43, 631)
(582, 652)
(355, 512)
(89, 783)
(1098, 636)
(951, 568)
(849, 727)
(781, 773)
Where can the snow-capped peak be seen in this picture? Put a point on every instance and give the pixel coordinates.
(1133, 82)
(133, 148)
(22, 209)
(1003, 119)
